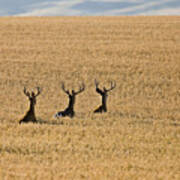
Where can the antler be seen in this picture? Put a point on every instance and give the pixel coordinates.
(39, 90)
(97, 88)
(96, 83)
(81, 89)
(63, 88)
(113, 85)
(26, 92)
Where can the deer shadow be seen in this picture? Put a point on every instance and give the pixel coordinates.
(52, 122)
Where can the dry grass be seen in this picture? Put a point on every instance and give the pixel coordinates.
(139, 137)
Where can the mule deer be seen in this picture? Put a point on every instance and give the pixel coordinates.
(104, 94)
(30, 115)
(69, 111)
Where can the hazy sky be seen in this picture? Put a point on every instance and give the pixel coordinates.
(88, 7)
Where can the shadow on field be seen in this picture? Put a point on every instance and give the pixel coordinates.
(54, 122)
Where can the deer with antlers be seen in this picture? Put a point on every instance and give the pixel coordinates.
(30, 115)
(69, 111)
(104, 93)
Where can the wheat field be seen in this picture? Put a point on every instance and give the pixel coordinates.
(139, 136)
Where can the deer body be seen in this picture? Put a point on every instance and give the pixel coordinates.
(30, 115)
(103, 107)
(69, 111)
(104, 94)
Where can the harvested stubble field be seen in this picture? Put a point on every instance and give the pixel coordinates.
(139, 136)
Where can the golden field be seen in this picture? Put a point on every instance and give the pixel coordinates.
(139, 136)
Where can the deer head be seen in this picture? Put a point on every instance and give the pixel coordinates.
(105, 90)
(32, 96)
(73, 92)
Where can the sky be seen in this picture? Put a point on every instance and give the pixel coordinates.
(88, 7)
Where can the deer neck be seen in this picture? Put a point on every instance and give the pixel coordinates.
(71, 102)
(104, 100)
(31, 107)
